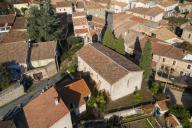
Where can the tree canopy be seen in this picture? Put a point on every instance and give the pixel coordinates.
(146, 58)
(43, 24)
(4, 77)
(182, 114)
(116, 44)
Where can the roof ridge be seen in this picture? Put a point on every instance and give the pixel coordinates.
(111, 58)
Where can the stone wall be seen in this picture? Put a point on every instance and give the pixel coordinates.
(11, 94)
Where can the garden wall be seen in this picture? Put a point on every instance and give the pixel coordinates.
(11, 94)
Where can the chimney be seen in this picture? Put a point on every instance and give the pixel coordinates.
(57, 99)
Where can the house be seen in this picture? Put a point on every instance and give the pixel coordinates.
(96, 26)
(20, 24)
(13, 48)
(167, 57)
(166, 35)
(186, 7)
(48, 110)
(81, 28)
(153, 14)
(111, 72)
(116, 6)
(95, 9)
(7, 124)
(75, 95)
(168, 7)
(141, 3)
(19, 4)
(187, 33)
(64, 7)
(42, 60)
(79, 6)
(162, 107)
(173, 122)
(6, 22)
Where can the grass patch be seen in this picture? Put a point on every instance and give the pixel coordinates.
(148, 123)
(129, 101)
(71, 52)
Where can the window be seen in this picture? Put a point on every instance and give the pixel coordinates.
(174, 62)
(162, 67)
(172, 70)
(189, 36)
(128, 83)
(189, 67)
(163, 59)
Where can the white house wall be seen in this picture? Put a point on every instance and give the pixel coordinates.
(67, 10)
(127, 85)
(41, 63)
(64, 122)
(102, 84)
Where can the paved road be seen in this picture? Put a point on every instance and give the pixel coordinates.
(5, 110)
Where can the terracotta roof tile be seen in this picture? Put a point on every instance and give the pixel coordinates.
(14, 36)
(147, 11)
(75, 93)
(79, 21)
(43, 50)
(16, 52)
(42, 112)
(7, 19)
(173, 121)
(106, 62)
(163, 104)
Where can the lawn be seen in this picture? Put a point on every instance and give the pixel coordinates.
(148, 123)
(129, 101)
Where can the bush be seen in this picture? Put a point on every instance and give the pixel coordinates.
(182, 114)
(5, 79)
(137, 96)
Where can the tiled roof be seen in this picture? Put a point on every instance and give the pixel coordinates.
(167, 3)
(98, 20)
(164, 34)
(80, 4)
(20, 23)
(147, 11)
(7, 124)
(81, 31)
(16, 52)
(106, 62)
(42, 112)
(163, 105)
(117, 3)
(64, 4)
(75, 93)
(79, 21)
(76, 14)
(43, 50)
(7, 19)
(162, 49)
(93, 5)
(14, 36)
(173, 121)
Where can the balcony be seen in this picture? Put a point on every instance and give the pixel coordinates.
(179, 80)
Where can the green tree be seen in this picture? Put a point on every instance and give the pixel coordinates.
(72, 41)
(109, 39)
(137, 96)
(91, 101)
(4, 77)
(182, 114)
(119, 46)
(146, 58)
(177, 9)
(70, 68)
(155, 88)
(43, 24)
